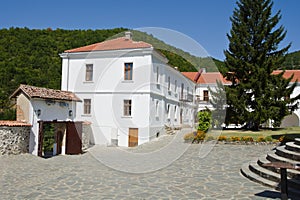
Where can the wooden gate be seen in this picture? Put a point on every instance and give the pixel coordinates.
(73, 138)
(133, 137)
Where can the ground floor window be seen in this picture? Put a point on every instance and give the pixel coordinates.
(87, 106)
(127, 107)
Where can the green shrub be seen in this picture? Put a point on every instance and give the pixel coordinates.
(235, 138)
(222, 138)
(200, 136)
(261, 139)
(205, 120)
(269, 139)
(247, 139)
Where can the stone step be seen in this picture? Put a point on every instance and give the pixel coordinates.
(276, 158)
(297, 141)
(292, 147)
(290, 172)
(273, 176)
(263, 172)
(283, 152)
(245, 171)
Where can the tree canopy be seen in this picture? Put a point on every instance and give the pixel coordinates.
(256, 95)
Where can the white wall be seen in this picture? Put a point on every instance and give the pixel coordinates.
(58, 110)
(108, 90)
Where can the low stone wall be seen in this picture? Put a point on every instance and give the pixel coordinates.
(86, 133)
(14, 140)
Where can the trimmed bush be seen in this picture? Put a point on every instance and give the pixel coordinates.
(189, 137)
(247, 139)
(222, 138)
(261, 139)
(235, 138)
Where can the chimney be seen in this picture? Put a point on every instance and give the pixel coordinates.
(128, 35)
(176, 68)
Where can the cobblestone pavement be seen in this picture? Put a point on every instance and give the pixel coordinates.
(215, 176)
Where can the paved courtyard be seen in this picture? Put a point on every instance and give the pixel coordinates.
(189, 176)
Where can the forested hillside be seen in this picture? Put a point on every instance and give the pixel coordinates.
(32, 57)
(292, 61)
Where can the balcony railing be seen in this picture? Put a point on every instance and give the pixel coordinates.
(186, 97)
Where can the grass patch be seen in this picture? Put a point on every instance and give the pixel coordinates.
(289, 133)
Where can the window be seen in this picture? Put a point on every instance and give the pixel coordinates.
(168, 111)
(156, 108)
(157, 74)
(182, 89)
(205, 95)
(175, 86)
(175, 112)
(89, 72)
(87, 106)
(128, 67)
(169, 83)
(127, 108)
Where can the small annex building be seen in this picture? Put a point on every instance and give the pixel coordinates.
(49, 110)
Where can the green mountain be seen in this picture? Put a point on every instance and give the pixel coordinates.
(292, 61)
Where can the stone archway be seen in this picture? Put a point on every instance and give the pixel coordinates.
(290, 120)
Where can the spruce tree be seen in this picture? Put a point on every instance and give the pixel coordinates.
(256, 95)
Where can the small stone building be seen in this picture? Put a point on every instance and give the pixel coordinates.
(49, 111)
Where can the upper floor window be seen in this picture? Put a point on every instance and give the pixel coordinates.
(89, 72)
(169, 83)
(87, 106)
(127, 108)
(175, 86)
(205, 95)
(157, 74)
(128, 67)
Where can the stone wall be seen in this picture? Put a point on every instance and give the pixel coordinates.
(14, 140)
(86, 133)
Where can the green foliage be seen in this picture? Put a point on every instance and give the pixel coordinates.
(218, 101)
(292, 61)
(205, 120)
(178, 61)
(8, 114)
(256, 95)
(48, 140)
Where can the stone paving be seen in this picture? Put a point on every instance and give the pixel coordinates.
(214, 176)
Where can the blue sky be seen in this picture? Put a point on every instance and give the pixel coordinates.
(205, 21)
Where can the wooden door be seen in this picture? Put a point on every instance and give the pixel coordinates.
(73, 138)
(58, 139)
(133, 137)
(40, 139)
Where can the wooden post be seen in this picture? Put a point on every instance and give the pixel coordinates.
(284, 188)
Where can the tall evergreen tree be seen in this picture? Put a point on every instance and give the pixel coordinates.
(256, 95)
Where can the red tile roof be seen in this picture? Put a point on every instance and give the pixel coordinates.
(114, 44)
(45, 93)
(206, 77)
(211, 77)
(289, 73)
(13, 123)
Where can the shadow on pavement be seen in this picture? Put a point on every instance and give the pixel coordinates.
(274, 195)
(269, 194)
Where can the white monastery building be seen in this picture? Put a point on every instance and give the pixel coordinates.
(129, 93)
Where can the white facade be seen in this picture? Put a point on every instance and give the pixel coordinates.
(157, 93)
(38, 109)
